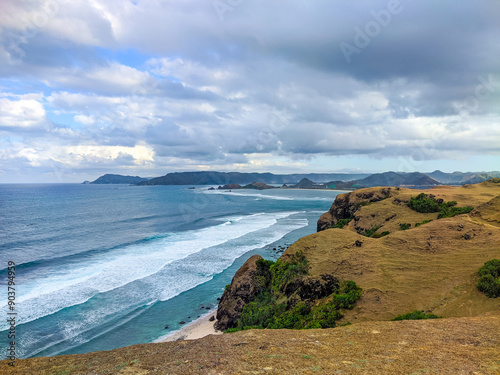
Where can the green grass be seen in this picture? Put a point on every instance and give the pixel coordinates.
(489, 278)
(415, 315)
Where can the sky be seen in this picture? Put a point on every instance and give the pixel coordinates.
(148, 87)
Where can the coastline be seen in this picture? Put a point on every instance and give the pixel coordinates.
(197, 329)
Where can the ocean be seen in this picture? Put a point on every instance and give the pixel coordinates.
(105, 266)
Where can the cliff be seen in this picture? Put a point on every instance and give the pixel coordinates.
(241, 291)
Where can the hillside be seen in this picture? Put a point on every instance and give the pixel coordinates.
(431, 267)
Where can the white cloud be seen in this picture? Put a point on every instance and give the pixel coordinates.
(113, 79)
(24, 113)
(86, 120)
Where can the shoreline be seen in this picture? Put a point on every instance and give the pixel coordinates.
(194, 330)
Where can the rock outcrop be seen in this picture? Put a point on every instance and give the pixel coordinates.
(242, 290)
(345, 205)
(313, 288)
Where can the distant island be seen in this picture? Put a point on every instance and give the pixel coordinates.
(117, 179)
(334, 181)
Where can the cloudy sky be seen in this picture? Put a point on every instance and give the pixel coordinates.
(147, 87)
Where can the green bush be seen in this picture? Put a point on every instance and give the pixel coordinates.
(423, 204)
(341, 223)
(370, 232)
(452, 211)
(415, 315)
(348, 296)
(423, 222)
(489, 278)
(269, 309)
(382, 234)
(283, 272)
(404, 226)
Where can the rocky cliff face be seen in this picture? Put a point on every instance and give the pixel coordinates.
(241, 291)
(345, 205)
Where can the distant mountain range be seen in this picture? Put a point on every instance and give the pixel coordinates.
(311, 180)
(224, 178)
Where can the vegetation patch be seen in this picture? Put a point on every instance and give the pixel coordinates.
(382, 234)
(341, 223)
(370, 232)
(404, 226)
(423, 222)
(424, 204)
(274, 307)
(489, 278)
(416, 315)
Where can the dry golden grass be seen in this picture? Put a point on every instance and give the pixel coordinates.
(441, 346)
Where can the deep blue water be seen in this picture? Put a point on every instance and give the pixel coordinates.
(105, 266)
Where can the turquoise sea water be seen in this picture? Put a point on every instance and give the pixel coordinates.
(105, 266)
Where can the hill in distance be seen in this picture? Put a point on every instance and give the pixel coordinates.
(118, 179)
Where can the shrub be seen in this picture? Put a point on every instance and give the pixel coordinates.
(270, 310)
(415, 315)
(370, 232)
(489, 278)
(423, 204)
(404, 226)
(348, 296)
(283, 272)
(378, 235)
(341, 223)
(452, 211)
(423, 222)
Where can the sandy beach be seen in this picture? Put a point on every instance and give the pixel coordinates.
(198, 328)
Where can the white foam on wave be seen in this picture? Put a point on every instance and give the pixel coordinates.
(66, 285)
(247, 194)
(169, 285)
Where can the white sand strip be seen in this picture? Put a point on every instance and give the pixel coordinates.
(198, 328)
